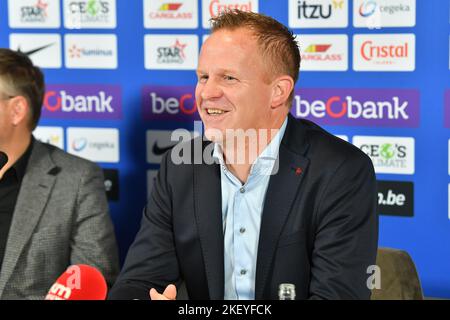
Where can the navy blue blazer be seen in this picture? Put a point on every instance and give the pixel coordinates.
(319, 226)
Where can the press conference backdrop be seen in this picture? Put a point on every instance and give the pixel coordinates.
(120, 78)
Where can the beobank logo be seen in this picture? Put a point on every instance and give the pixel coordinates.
(358, 107)
(100, 102)
(212, 8)
(169, 103)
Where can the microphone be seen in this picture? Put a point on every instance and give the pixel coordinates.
(79, 282)
(3, 159)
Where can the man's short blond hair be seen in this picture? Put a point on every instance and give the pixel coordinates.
(277, 43)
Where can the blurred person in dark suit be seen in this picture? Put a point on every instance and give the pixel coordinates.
(53, 207)
(302, 210)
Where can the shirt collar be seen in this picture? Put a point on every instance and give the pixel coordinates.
(20, 166)
(266, 158)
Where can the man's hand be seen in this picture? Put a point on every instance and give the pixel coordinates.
(169, 294)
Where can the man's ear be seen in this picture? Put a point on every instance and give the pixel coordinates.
(19, 110)
(282, 88)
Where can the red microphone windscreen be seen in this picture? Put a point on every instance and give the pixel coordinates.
(79, 282)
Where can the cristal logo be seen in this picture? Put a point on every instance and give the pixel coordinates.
(216, 7)
(306, 10)
(173, 105)
(173, 54)
(318, 52)
(367, 8)
(63, 101)
(338, 107)
(79, 144)
(370, 51)
(36, 13)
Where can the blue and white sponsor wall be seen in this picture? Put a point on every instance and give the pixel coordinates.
(120, 78)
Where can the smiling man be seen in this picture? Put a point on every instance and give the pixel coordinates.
(300, 210)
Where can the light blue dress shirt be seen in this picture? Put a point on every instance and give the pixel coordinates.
(242, 206)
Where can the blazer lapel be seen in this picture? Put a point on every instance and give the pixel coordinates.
(36, 187)
(208, 213)
(281, 193)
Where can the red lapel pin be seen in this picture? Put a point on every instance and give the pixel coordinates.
(298, 171)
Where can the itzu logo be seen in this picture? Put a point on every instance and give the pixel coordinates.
(310, 10)
(172, 54)
(100, 102)
(34, 13)
(389, 154)
(169, 103)
(318, 13)
(358, 107)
